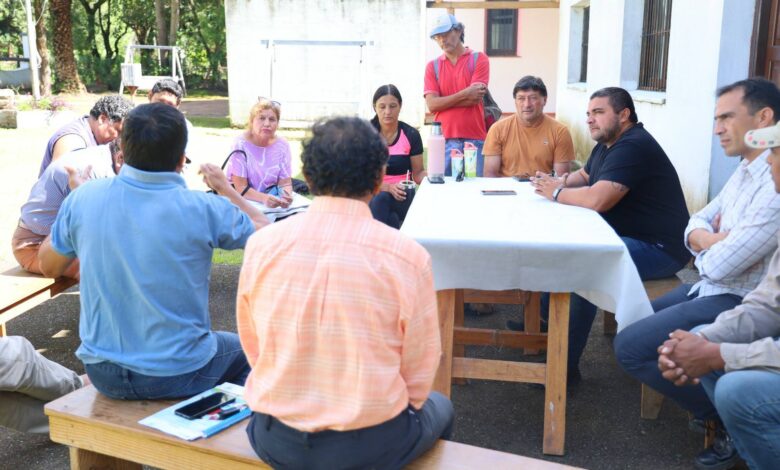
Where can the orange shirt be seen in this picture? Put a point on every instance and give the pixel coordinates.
(337, 316)
(526, 150)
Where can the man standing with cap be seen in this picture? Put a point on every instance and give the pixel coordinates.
(455, 83)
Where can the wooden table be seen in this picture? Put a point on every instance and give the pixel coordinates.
(498, 243)
(21, 291)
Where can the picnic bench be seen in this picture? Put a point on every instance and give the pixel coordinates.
(104, 433)
(20, 291)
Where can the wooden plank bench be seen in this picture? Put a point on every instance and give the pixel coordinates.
(104, 433)
(20, 291)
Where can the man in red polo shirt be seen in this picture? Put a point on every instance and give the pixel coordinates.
(455, 83)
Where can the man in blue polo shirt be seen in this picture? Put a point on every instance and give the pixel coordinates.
(145, 244)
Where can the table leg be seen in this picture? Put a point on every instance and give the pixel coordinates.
(532, 318)
(446, 304)
(459, 350)
(555, 389)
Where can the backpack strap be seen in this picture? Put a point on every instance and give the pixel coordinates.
(224, 165)
(473, 62)
(472, 65)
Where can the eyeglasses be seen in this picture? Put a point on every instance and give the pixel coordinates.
(273, 102)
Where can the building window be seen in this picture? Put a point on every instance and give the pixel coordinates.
(655, 45)
(501, 32)
(584, 48)
(579, 28)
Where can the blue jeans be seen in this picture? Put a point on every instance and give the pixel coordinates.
(651, 261)
(389, 445)
(457, 144)
(636, 347)
(749, 406)
(229, 364)
(386, 209)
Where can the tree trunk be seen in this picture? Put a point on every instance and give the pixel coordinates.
(64, 61)
(162, 25)
(43, 49)
(174, 22)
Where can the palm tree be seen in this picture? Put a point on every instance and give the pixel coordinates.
(64, 61)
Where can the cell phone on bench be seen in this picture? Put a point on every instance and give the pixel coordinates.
(499, 192)
(204, 406)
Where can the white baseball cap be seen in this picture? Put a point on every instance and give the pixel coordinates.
(764, 138)
(443, 24)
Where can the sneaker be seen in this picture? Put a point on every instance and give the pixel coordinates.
(721, 455)
(519, 325)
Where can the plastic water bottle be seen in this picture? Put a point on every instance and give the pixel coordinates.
(470, 159)
(436, 154)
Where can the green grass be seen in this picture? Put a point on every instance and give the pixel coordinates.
(232, 257)
(210, 121)
(213, 94)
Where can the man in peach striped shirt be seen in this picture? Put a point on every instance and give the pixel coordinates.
(337, 316)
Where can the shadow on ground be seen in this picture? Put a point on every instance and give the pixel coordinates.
(604, 430)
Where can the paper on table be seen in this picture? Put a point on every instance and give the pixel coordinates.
(299, 204)
(190, 429)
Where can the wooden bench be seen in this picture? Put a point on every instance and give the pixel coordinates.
(104, 433)
(20, 291)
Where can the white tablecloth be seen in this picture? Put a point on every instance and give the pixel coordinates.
(523, 242)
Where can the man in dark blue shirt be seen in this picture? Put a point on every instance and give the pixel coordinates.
(630, 181)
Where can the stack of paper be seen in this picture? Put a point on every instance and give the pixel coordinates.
(299, 204)
(190, 429)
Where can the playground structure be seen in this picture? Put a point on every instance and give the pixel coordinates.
(21, 77)
(133, 78)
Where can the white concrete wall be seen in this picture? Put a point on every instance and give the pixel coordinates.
(312, 81)
(680, 118)
(537, 50)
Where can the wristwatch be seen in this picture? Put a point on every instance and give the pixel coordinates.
(556, 193)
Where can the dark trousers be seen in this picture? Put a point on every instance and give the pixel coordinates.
(651, 261)
(389, 445)
(386, 209)
(636, 347)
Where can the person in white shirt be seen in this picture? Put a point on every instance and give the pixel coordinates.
(733, 239)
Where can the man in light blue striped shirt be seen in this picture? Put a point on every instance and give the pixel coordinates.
(47, 194)
(733, 239)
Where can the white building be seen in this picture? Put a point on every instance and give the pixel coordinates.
(709, 45)
(320, 57)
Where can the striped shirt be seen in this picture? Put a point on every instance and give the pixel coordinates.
(337, 317)
(47, 194)
(750, 212)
